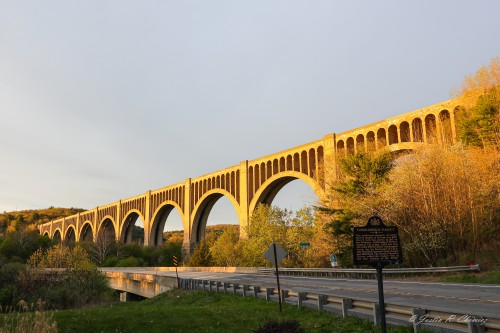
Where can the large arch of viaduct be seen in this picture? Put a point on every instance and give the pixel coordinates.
(252, 182)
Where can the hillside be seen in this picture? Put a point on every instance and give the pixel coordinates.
(33, 217)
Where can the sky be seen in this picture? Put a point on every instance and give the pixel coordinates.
(104, 100)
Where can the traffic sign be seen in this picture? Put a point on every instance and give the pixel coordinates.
(305, 244)
(276, 254)
(175, 261)
(280, 254)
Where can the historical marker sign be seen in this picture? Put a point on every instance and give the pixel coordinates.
(376, 243)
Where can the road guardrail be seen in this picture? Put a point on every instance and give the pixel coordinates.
(433, 319)
(366, 272)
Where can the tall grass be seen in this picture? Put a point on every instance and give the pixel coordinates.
(27, 319)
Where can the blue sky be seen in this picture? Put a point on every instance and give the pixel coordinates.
(102, 100)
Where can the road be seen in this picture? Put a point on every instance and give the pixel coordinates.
(474, 299)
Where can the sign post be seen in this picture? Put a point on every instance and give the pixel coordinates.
(333, 260)
(377, 245)
(176, 274)
(276, 254)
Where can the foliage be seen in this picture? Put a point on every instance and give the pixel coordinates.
(134, 255)
(339, 228)
(21, 243)
(28, 320)
(225, 251)
(186, 311)
(63, 277)
(270, 224)
(491, 277)
(8, 276)
(363, 173)
(267, 225)
(352, 198)
(445, 201)
(357, 191)
(9, 220)
(201, 256)
(285, 326)
(478, 122)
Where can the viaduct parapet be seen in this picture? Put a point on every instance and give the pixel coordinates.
(253, 182)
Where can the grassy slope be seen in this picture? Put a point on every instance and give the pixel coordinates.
(182, 311)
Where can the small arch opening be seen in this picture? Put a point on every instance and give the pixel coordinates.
(350, 145)
(431, 128)
(360, 143)
(404, 131)
(393, 134)
(381, 138)
(418, 134)
(340, 148)
(370, 142)
(70, 238)
(57, 237)
(446, 132)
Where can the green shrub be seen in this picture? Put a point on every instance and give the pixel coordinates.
(110, 261)
(130, 250)
(130, 262)
(286, 326)
(76, 283)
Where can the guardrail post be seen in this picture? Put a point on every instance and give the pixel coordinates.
(416, 314)
(245, 289)
(346, 305)
(209, 285)
(217, 286)
(225, 286)
(269, 292)
(475, 327)
(284, 294)
(302, 296)
(322, 299)
(376, 314)
(235, 287)
(256, 290)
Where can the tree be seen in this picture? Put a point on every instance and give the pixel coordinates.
(225, 251)
(445, 201)
(338, 225)
(201, 256)
(270, 224)
(478, 122)
(79, 282)
(351, 199)
(104, 246)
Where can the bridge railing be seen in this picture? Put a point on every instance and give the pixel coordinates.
(366, 272)
(434, 319)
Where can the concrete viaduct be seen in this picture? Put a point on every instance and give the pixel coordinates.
(253, 182)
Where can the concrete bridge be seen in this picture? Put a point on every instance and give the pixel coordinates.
(253, 182)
